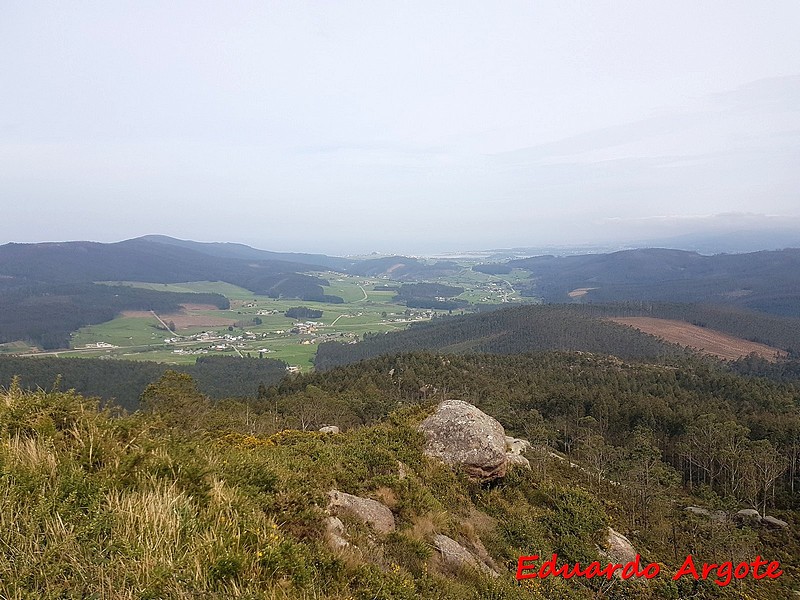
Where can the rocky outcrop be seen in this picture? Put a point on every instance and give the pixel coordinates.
(329, 429)
(365, 510)
(462, 435)
(517, 460)
(456, 556)
(517, 446)
(696, 510)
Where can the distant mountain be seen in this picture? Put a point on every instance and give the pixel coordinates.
(242, 251)
(766, 281)
(131, 260)
(751, 240)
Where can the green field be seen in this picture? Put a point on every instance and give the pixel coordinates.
(142, 337)
(257, 326)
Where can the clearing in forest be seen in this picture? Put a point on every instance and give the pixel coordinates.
(705, 340)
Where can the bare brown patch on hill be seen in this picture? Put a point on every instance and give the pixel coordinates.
(703, 339)
(578, 292)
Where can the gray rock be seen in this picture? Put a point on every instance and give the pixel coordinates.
(455, 556)
(517, 445)
(748, 515)
(696, 510)
(460, 434)
(773, 523)
(334, 534)
(619, 548)
(365, 510)
(329, 429)
(516, 460)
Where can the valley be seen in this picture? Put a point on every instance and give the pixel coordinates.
(255, 325)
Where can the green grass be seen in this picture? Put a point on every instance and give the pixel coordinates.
(97, 507)
(137, 338)
(15, 348)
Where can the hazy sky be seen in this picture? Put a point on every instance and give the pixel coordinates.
(346, 127)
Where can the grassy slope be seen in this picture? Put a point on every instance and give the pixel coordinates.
(203, 500)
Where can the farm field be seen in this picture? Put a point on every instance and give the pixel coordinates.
(257, 326)
(253, 326)
(703, 339)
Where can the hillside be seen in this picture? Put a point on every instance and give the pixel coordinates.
(401, 268)
(506, 331)
(193, 498)
(763, 281)
(151, 261)
(576, 327)
(703, 339)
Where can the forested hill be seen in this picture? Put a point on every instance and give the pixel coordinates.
(508, 331)
(48, 290)
(233, 250)
(401, 268)
(151, 261)
(764, 281)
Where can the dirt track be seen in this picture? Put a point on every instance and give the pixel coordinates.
(700, 338)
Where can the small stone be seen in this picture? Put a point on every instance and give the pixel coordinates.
(696, 510)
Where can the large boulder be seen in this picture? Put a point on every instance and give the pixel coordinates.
(619, 548)
(462, 435)
(365, 510)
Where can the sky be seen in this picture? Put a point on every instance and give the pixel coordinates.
(350, 127)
